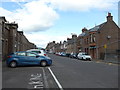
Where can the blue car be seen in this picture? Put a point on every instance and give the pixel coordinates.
(27, 58)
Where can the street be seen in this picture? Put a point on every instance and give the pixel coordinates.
(63, 73)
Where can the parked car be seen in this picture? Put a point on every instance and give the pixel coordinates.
(73, 55)
(62, 54)
(38, 51)
(56, 53)
(84, 56)
(27, 58)
(67, 54)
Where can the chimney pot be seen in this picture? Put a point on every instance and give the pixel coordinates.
(109, 17)
(84, 29)
(109, 14)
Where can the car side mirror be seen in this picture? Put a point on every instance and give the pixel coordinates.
(37, 56)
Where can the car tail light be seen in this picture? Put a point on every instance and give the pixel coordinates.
(44, 54)
(9, 56)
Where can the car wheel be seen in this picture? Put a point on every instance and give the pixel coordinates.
(90, 60)
(13, 64)
(43, 63)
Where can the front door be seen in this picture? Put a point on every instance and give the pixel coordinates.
(31, 58)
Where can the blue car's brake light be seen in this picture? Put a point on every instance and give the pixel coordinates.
(9, 56)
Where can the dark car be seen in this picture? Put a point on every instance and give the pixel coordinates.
(27, 58)
(73, 55)
(67, 54)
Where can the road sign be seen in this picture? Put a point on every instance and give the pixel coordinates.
(105, 46)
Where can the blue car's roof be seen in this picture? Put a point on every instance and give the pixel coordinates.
(19, 51)
(27, 52)
(22, 52)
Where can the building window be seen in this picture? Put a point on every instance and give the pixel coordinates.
(80, 41)
(15, 34)
(87, 41)
(15, 45)
(90, 37)
(94, 38)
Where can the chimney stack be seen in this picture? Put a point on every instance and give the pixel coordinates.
(84, 30)
(109, 17)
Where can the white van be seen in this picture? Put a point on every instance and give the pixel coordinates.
(38, 51)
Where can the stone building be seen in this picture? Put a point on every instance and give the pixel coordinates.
(51, 47)
(64, 46)
(101, 41)
(72, 44)
(0, 45)
(82, 41)
(4, 37)
(108, 40)
(2, 25)
(57, 47)
(12, 40)
(10, 33)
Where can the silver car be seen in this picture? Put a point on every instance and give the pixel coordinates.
(38, 51)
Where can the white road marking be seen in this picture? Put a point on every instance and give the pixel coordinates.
(37, 75)
(45, 79)
(38, 86)
(36, 80)
(59, 85)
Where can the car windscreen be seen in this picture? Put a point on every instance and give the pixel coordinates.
(84, 54)
(36, 51)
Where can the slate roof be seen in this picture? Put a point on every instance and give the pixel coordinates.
(98, 27)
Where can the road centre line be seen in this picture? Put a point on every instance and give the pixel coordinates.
(59, 85)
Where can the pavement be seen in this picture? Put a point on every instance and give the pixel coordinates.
(108, 61)
(0, 74)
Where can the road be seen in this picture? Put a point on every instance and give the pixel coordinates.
(64, 73)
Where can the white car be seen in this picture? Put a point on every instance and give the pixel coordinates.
(38, 51)
(84, 56)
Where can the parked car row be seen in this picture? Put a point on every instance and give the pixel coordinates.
(81, 55)
(29, 57)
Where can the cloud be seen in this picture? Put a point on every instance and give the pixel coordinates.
(5, 12)
(40, 15)
(82, 5)
(17, 0)
(41, 40)
(36, 16)
(33, 16)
